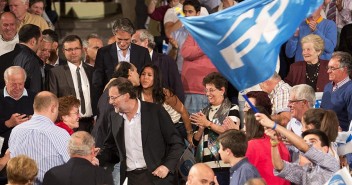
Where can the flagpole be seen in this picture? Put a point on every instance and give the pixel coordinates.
(255, 110)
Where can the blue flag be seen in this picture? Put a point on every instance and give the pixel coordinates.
(244, 41)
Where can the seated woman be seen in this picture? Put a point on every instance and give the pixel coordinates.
(21, 170)
(259, 150)
(326, 121)
(312, 70)
(152, 91)
(68, 113)
(210, 124)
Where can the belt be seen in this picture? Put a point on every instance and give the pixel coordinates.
(140, 169)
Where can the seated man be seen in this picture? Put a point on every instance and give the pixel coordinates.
(16, 103)
(319, 165)
(233, 147)
(82, 151)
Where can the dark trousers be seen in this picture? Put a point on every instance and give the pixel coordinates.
(137, 177)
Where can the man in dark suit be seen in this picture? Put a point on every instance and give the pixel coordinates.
(122, 50)
(170, 76)
(54, 58)
(148, 144)
(24, 55)
(79, 169)
(74, 78)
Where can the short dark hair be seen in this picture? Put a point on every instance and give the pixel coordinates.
(72, 38)
(52, 34)
(217, 79)
(194, 3)
(261, 99)
(322, 136)
(234, 140)
(29, 31)
(124, 86)
(122, 69)
(123, 24)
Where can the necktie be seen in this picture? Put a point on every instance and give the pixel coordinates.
(83, 106)
(331, 15)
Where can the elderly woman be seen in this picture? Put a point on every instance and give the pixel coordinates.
(21, 170)
(210, 124)
(68, 113)
(313, 70)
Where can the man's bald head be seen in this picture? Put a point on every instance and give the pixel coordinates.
(200, 174)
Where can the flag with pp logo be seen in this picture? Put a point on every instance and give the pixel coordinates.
(244, 41)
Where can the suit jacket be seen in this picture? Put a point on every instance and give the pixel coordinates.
(169, 73)
(162, 144)
(297, 75)
(26, 58)
(107, 60)
(61, 82)
(77, 171)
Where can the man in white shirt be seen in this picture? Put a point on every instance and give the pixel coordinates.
(74, 78)
(8, 32)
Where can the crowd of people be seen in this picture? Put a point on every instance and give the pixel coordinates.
(126, 112)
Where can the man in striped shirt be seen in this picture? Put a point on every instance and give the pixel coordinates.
(39, 138)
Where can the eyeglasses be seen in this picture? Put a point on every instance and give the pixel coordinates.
(210, 90)
(72, 49)
(113, 98)
(75, 113)
(294, 101)
(332, 68)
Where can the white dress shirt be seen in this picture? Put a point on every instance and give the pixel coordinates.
(133, 141)
(85, 88)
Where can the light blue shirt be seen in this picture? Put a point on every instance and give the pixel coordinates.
(120, 54)
(44, 142)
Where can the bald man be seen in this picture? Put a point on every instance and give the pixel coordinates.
(39, 138)
(201, 174)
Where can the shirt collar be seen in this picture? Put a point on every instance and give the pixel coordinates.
(151, 54)
(118, 48)
(6, 94)
(138, 110)
(72, 66)
(342, 82)
(238, 165)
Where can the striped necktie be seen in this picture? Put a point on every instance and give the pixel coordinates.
(331, 15)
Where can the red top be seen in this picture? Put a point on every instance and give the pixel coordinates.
(64, 126)
(259, 154)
